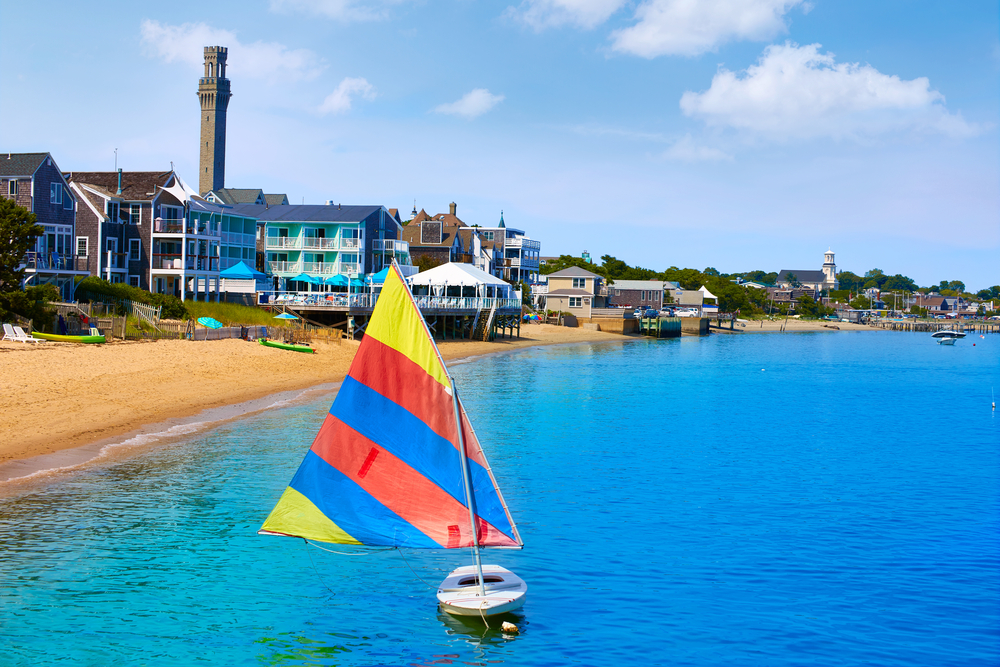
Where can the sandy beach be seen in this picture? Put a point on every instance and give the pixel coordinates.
(59, 396)
(798, 326)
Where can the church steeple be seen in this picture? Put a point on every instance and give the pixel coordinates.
(501, 225)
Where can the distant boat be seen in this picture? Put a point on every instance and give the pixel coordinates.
(391, 466)
(948, 337)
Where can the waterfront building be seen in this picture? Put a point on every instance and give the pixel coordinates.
(576, 291)
(520, 256)
(151, 230)
(824, 279)
(33, 181)
(636, 294)
(437, 237)
(324, 240)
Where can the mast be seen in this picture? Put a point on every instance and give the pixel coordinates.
(466, 473)
(467, 478)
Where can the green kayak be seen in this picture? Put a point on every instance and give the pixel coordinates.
(68, 339)
(286, 346)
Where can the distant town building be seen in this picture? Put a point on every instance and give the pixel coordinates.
(519, 255)
(33, 181)
(576, 291)
(636, 294)
(824, 279)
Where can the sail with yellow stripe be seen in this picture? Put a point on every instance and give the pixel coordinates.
(386, 468)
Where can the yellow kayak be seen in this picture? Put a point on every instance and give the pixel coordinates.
(68, 339)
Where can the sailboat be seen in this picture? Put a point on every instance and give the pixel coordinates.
(396, 463)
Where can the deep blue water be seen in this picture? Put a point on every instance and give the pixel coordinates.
(798, 499)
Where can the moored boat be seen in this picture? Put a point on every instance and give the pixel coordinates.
(287, 346)
(68, 339)
(947, 337)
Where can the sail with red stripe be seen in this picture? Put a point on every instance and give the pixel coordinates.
(385, 468)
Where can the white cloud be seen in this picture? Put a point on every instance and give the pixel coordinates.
(341, 10)
(692, 27)
(260, 60)
(472, 104)
(796, 91)
(340, 99)
(686, 150)
(541, 14)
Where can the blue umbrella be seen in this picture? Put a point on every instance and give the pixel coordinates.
(303, 278)
(379, 277)
(285, 316)
(356, 283)
(338, 280)
(209, 322)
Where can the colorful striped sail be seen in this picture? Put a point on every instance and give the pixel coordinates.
(385, 468)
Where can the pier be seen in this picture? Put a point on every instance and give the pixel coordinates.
(925, 326)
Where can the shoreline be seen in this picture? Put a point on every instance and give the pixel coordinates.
(36, 449)
(109, 427)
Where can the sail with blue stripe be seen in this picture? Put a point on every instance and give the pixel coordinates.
(386, 467)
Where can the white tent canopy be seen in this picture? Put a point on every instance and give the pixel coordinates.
(706, 294)
(452, 274)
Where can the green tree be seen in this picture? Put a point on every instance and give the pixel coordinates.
(861, 302)
(899, 282)
(849, 281)
(31, 303)
(19, 229)
(426, 262)
(566, 261)
(793, 280)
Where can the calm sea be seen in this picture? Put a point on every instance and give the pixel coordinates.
(801, 499)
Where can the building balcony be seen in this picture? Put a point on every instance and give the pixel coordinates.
(350, 244)
(161, 226)
(283, 243)
(522, 242)
(236, 238)
(319, 243)
(176, 262)
(277, 268)
(349, 268)
(319, 268)
(53, 262)
(391, 246)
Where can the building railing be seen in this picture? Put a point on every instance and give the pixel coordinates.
(368, 299)
(284, 267)
(319, 268)
(319, 242)
(282, 242)
(115, 260)
(521, 242)
(237, 238)
(349, 269)
(162, 261)
(161, 226)
(390, 245)
(350, 244)
(53, 261)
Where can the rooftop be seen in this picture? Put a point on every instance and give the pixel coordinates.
(306, 212)
(21, 164)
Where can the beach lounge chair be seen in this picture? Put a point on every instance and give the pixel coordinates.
(8, 333)
(25, 338)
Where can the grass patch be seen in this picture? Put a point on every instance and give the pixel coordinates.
(233, 314)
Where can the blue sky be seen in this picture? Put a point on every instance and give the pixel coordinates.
(740, 134)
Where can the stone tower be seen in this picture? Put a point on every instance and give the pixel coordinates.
(830, 270)
(213, 93)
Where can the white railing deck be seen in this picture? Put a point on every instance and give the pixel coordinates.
(367, 300)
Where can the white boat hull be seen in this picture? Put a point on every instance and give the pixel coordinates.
(459, 592)
(946, 341)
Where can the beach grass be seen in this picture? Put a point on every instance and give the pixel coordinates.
(232, 314)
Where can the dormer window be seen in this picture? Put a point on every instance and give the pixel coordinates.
(12, 187)
(112, 210)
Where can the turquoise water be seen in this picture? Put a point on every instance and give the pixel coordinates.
(806, 499)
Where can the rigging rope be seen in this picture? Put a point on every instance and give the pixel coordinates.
(414, 571)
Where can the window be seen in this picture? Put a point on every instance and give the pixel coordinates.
(111, 208)
(133, 250)
(135, 214)
(55, 193)
(133, 281)
(488, 236)
(81, 246)
(12, 187)
(579, 283)
(575, 302)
